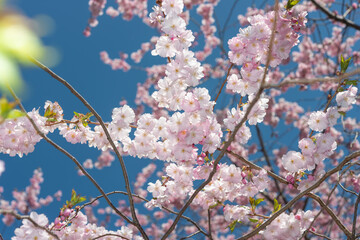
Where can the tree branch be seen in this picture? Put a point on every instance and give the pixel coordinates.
(353, 233)
(253, 165)
(222, 85)
(267, 159)
(335, 17)
(232, 136)
(306, 81)
(97, 116)
(191, 235)
(209, 224)
(55, 145)
(110, 234)
(27, 217)
(319, 235)
(145, 200)
(331, 213)
(300, 195)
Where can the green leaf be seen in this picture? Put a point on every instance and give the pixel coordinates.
(252, 201)
(253, 220)
(258, 201)
(82, 199)
(15, 113)
(75, 198)
(344, 64)
(73, 195)
(351, 82)
(232, 225)
(89, 114)
(277, 206)
(291, 3)
(51, 120)
(76, 114)
(5, 107)
(342, 113)
(49, 113)
(341, 89)
(214, 205)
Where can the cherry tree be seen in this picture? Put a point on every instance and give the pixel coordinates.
(212, 171)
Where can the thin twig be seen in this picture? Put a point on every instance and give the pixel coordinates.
(300, 195)
(267, 159)
(97, 116)
(347, 190)
(319, 235)
(335, 17)
(71, 157)
(232, 8)
(353, 233)
(306, 81)
(253, 165)
(110, 234)
(27, 217)
(222, 85)
(145, 200)
(232, 136)
(209, 224)
(329, 196)
(191, 235)
(330, 212)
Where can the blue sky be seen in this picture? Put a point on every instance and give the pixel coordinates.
(80, 65)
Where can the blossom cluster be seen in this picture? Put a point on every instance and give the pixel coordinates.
(79, 229)
(185, 132)
(18, 136)
(25, 201)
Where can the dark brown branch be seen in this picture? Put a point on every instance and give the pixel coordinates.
(319, 235)
(222, 86)
(145, 200)
(335, 17)
(232, 136)
(110, 234)
(97, 116)
(306, 81)
(330, 212)
(191, 235)
(353, 232)
(254, 166)
(300, 195)
(267, 159)
(27, 217)
(55, 145)
(329, 196)
(209, 224)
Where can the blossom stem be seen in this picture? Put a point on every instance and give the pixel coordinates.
(97, 116)
(300, 195)
(222, 86)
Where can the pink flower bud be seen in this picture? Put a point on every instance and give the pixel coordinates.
(57, 221)
(67, 212)
(200, 161)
